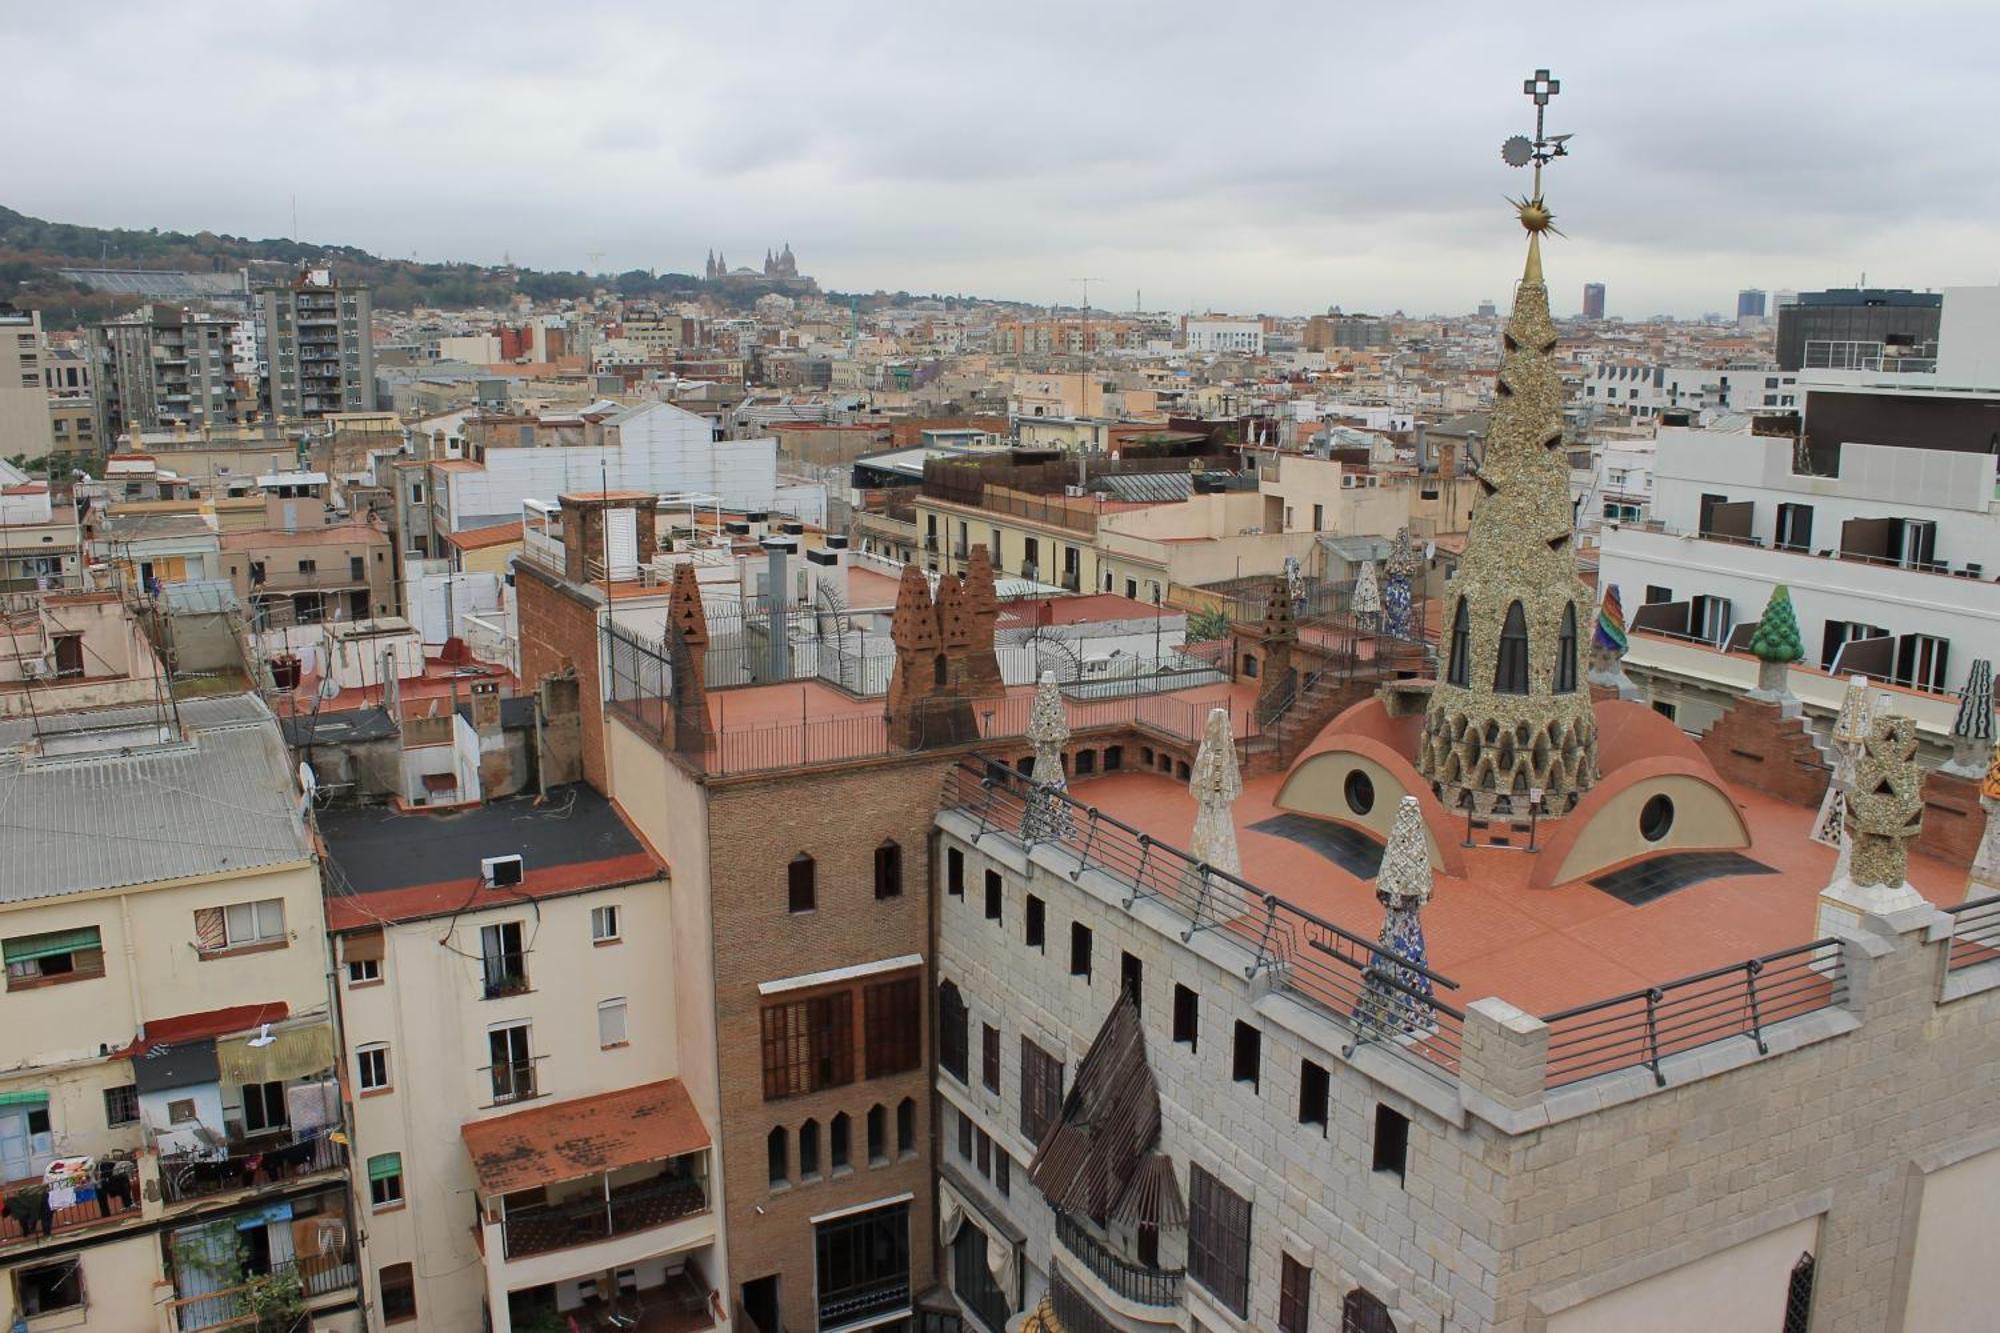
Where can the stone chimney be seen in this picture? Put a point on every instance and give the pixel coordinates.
(586, 558)
(981, 674)
(686, 642)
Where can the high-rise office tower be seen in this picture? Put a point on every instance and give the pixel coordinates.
(1593, 300)
(317, 344)
(1750, 304)
(1850, 328)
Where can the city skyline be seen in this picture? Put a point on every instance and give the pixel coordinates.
(1243, 171)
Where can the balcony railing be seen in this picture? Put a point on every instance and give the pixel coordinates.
(1740, 1000)
(1127, 1280)
(869, 1300)
(244, 1165)
(624, 1209)
(320, 1275)
(28, 1216)
(503, 975)
(1073, 1310)
(514, 1080)
(1975, 933)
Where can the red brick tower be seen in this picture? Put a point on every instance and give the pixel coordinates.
(982, 603)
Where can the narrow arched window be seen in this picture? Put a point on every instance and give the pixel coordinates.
(775, 1150)
(801, 889)
(1510, 669)
(889, 870)
(1566, 653)
(1460, 670)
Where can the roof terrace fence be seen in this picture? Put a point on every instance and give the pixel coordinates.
(1351, 978)
(1975, 933)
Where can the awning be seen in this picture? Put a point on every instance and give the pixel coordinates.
(362, 946)
(387, 1165)
(185, 1065)
(27, 948)
(293, 1053)
(586, 1136)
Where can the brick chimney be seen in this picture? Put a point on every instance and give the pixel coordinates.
(586, 558)
(686, 721)
(981, 673)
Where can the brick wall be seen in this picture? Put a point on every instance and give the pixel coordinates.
(1755, 745)
(558, 632)
(1954, 821)
(758, 939)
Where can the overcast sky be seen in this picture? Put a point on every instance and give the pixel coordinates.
(1243, 157)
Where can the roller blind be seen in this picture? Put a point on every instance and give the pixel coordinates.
(26, 948)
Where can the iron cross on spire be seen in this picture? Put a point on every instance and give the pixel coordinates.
(1520, 150)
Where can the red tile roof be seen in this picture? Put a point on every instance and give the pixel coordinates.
(207, 1023)
(559, 1141)
(478, 539)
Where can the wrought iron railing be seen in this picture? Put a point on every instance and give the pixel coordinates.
(320, 1275)
(1127, 1280)
(1073, 1310)
(1743, 999)
(1975, 933)
(654, 1203)
(194, 1175)
(1350, 977)
(866, 1301)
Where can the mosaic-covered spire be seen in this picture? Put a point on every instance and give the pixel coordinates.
(1885, 809)
(1972, 730)
(1047, 817)
(1366, 602)
(1850, 729)
(1215, 782)
(1399, 573)
(1985, 880)
(1508, 715)
(1396, 998)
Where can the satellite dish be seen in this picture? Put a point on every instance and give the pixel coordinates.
(308, 782)
(1517, 151)
(262, 1039)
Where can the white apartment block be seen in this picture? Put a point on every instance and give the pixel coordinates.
(1232, 337)
(1647, 390)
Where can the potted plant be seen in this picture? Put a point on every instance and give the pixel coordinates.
(278, 1300)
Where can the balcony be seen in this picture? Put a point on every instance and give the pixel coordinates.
(307, 580)
(514, 1080)
(600, 1210)
(320, 1275)
(1134, 1283)
(865, 1302)
(248, 1164)
(502, 975)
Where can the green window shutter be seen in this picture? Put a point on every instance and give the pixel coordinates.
(24, 1098)
(26, 948)
(388, 1164)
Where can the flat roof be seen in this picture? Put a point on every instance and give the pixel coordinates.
(407, 864)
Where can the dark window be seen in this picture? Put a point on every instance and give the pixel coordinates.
(1114, 758)
(121, 1105)
(1656, 818)
(892, 1025)
(1313, 1094)
(775, 1154)
(503, 960)
(1037, 922)
(964, 1136)
(1247, 1061)
(800, 890)
(1655, 594)
(1460, 672)
(906, 1125)
(1041, 1090)
(1392, 1140)
(808, 1045)
(1079, 950)
(954, 872)
(264, 1107)
(1510, 668)
(989, 1056)
(1363, 1312)
(952, 1034)
(1798, 1296)
(1131, 977)
(1003, 1170)
(1187, 1016)
(972, 1282)
(1359, 791)
(838, 1146)
(888, 871)
(1294, 1295)
(50, 1287)
(1566, 652)
(357, 567)
(399, 1293)
(809, 1150)
(984, 1153)
(878, 1134)
(992, 895)
(1219, 1240)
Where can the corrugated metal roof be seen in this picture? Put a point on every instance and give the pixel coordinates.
(99, 800)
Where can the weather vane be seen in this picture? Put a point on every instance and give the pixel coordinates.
(1520, 150)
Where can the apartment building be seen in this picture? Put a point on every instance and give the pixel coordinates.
(24, 401)
(72, 648)
(1232, 337)
(171, 1122)
(40, 542)
(310, 573)
(164, 366)
(510, 985)
(1641, 390)
(318, 345)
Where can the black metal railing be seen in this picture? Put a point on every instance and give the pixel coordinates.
(653, 1203)
(114, 1194)
(864, 1301)
(1739, 1000)
(1350, 977)
(1127, 1280)
(513, 1080)
(194, 1175)
(1073, 1310)
(320, 1275)
(1975, 933)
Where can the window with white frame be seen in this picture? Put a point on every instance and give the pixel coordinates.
(604, 924)
(371, 1067)
(611, 1023)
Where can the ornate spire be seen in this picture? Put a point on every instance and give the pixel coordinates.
(1395, 999)
(1215, 782)
(1509, 718)
(1366, 603)
(1850, 729)
(1972, 730)
(1399, 573)
(1047, 817)
(1886, 808)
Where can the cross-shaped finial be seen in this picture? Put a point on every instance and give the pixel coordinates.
(1541, 87)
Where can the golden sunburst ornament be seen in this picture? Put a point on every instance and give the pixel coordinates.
(1535, 215)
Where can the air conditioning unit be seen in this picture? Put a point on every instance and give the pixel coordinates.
(1073, 492)
(36, 668)
(501, 871)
